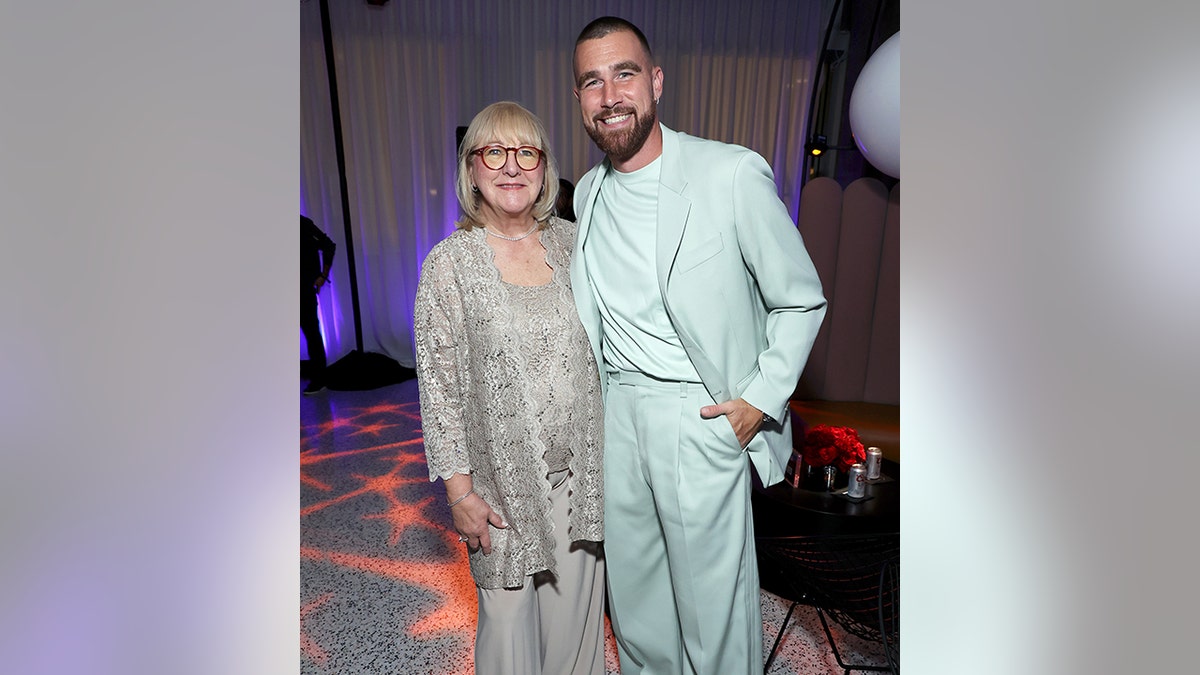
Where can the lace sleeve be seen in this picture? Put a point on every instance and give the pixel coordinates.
(437, 319)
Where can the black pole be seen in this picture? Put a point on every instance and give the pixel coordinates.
(812, 101)
(327, 35)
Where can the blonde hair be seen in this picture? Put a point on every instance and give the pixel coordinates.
(505, 122)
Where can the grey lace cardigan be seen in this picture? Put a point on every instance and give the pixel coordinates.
(479, 393)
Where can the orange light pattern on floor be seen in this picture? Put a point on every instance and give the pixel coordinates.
(388, 497)
(444, 579)
(307, 646)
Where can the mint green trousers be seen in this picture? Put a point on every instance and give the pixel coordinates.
(679, 534)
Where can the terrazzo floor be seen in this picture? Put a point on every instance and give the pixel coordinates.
(384, 586)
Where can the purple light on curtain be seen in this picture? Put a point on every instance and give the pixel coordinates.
(331, 324)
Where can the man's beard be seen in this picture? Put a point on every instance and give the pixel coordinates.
(622, 145)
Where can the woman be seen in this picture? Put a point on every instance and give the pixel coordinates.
(510, 403)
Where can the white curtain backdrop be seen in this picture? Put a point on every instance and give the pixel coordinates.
(410, 72)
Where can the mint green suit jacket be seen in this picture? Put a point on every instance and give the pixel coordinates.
(738, 285)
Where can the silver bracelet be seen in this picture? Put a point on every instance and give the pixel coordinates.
(468, 494)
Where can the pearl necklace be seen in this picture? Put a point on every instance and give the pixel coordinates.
(507, 238)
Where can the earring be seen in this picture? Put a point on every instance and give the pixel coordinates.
(475, 189)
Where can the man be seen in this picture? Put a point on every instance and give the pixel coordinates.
(701, 304)
(316, 259)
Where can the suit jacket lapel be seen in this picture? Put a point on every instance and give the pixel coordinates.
(673, 208)
(589, 313)
(589, 204)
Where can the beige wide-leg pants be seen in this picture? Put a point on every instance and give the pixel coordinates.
(551, 625)
(679, 534)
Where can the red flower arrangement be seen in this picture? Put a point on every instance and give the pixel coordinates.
(825, 445)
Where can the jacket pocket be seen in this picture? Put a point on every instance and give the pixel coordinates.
(692, 257)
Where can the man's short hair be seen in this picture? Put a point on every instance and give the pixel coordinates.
(605, 25)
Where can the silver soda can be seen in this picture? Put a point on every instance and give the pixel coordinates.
(874, 463)
(857, 487)
(795, 471)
